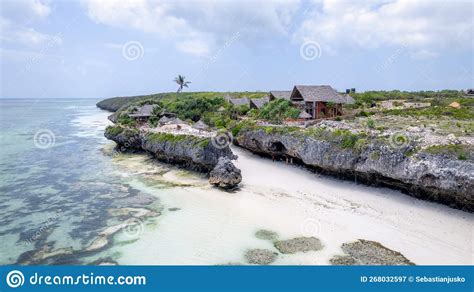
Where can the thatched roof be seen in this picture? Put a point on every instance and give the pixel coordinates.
(221, 109)
(239, 101)
(349, 99)
(176, 121)
(167, 114)
(323, 93)
(281, 94)
(259, 102)
(304, 115)
(164, 120)
(143, 111)
(200, 125)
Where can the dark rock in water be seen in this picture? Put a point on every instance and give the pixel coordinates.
(422, 175)
(366, 252)
(173, 209)
(225, 174)
(266, 235)
(260, 256)
(299, 244)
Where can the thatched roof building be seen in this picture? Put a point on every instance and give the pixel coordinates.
(175, 121)
(277, 94)
(319, 101)
(164, 120)
(349, 99)
(313, 93)
(304, 115)
(239, 101)
(258, 103)
(144, 111)
(200, 125)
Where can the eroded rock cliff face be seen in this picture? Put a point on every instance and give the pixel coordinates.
(197, 153)
(431, 177)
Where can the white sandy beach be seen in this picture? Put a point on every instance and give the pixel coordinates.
(216, 227)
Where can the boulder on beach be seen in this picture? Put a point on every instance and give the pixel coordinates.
(260, 256)
(299, 244)
(225, 174)
(366, 252)
(266, 234)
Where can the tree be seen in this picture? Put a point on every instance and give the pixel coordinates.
(180, 80)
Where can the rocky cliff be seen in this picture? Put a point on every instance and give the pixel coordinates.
(431, 177)
(197, 153)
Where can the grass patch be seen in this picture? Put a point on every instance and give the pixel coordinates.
(461, 152)
(464, 113)
(113, 130)
(174, 139)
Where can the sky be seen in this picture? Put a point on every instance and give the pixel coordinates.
(105, 48)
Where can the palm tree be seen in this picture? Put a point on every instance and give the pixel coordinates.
(180, 80)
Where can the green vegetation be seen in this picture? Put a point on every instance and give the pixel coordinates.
(464, 113)
(243, 125)
(113, 130)
(173, 139)
(192, 106)
(370, 123)
(372, 96)
(461, 152)
(125, 119)
(279, 130)
(278, 110)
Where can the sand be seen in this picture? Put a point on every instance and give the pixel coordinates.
(217, 227)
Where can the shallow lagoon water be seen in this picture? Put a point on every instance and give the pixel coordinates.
(57, 201)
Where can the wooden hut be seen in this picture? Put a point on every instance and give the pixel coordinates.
(143, 113)
(201, 126)
(258, 103)
(319, 101)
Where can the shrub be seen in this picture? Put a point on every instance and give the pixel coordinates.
(278, 110)
(370, 123)
(125, 119)
(461, 152)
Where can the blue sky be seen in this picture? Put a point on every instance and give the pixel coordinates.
(99, 49)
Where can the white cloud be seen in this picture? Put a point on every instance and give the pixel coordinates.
(196, 26)
(18, 34)
(423, 55)
(15, 21)
(26, 10)
(425, 27)
(194, 47)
